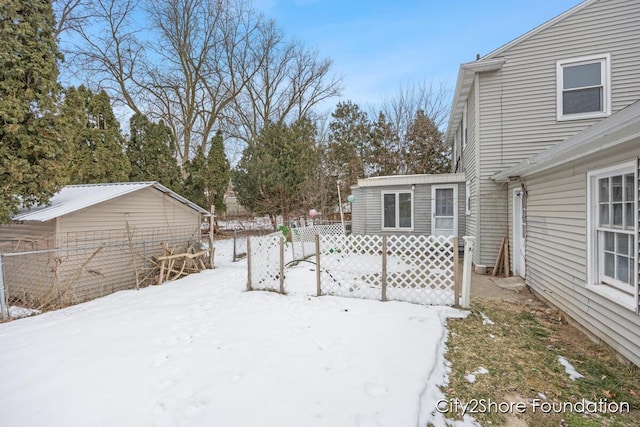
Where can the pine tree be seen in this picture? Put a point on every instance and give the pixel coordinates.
(151, 151)
(274, 171)
(208, 176)
(32, 156)
(426, 151)
(97, 153)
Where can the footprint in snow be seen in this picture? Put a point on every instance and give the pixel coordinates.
(375, 390)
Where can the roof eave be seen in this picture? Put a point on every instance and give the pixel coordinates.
(466, 75)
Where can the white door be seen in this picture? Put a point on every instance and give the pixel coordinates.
(444, 210)
(519, 232)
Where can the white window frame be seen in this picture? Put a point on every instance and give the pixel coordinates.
(455, 206)
(397, 210)
(622, 294)
(605, 72)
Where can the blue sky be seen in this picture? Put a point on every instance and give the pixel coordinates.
(377, 46)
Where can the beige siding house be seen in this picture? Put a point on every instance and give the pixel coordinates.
(546, 130)
(90, 240)
(426, 204)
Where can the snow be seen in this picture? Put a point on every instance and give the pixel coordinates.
(569, 369)
(485, 319)
(202, 351)
(471, 377)
(16, 312)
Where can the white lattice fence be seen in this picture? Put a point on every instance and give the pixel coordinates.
(417, 269)
(303, 239)
(264, 262)
(429, 278)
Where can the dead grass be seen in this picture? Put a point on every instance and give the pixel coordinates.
(520, 350)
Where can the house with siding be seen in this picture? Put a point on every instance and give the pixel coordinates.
(92, 240)
(546, 130)
(423, 204)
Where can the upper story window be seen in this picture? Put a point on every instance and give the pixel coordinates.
(463, 126)
(584, 87)
(397, 210)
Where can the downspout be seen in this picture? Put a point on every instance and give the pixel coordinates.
(478, 242)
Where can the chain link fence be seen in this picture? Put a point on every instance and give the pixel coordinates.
(88, 265)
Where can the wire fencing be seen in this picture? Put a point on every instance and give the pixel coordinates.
(88, 265)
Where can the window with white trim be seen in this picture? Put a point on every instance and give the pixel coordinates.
(612, 195)
(464, 126)
(397, 210)
(584, 88)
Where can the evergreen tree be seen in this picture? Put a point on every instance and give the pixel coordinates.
(151, 151)
(426, 151)
(208, 176)
(274, 171)
(97, 153)
(32, 159)
(350, 150)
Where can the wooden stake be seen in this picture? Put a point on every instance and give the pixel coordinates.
(497, 265)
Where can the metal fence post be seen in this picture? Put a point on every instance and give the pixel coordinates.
(235, 237)
(319, 285)
(384, 268)
(248, 263)
(466, 272)
(282, 265)
(3, 298)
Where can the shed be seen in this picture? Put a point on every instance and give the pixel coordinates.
(93, 239)
(425, 204)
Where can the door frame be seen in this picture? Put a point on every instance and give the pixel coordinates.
(519, 237)
(455, 206)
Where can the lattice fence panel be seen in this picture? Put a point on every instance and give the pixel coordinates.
(421, 269)
(351, 266)
(265, 262)
(303, 239)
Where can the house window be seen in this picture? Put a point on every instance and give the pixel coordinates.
(583, 87)
(613, 221)
(397, 210)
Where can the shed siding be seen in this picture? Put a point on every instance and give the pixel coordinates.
(144, 208)
(358, 211)
(556, 248)
(26, 236)
(518, 102)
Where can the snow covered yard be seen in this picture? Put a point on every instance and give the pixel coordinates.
(202, 352)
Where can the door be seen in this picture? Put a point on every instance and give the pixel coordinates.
(444, 210)
(519, 232)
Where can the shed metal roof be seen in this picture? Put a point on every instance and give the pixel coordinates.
(73, 198)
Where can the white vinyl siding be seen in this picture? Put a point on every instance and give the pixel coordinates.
(558, 263)
(518, 104)
(583, 87)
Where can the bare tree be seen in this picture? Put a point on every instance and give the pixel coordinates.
(290, 82)
(199, 65)
(400, 112)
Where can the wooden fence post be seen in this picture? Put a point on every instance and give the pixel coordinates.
(318, 284)
(456, 272)
(282, 265)
(248, 263)
(384, 268)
